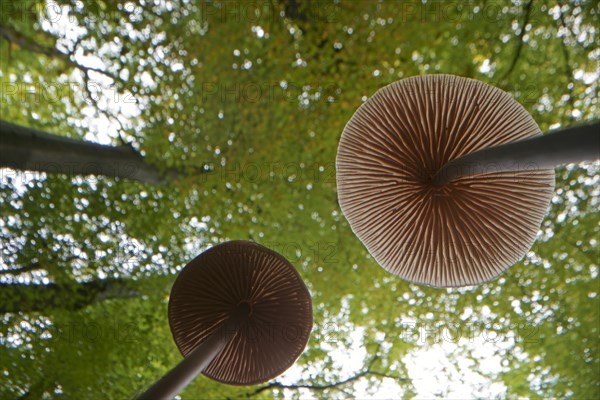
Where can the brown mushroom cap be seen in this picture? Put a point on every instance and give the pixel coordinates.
(212, 285)
(465, 232)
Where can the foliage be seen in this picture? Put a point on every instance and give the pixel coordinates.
(250, 98)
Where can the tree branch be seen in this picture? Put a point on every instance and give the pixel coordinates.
(292, 11)
(563, 24)
(528, 7)
(73, 296)
(565, 51)
(23, 42)
(16, 271)
(335, 385)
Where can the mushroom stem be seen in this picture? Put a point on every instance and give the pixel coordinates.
(570, 145)
(183, 373)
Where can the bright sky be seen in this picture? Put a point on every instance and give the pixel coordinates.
(435, 370)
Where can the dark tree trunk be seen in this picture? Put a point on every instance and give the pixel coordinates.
(27, 298)
(24, 148)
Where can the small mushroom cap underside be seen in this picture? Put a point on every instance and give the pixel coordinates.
(215, 283)
(465, 232)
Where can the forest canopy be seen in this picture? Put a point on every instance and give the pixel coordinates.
(236, 109)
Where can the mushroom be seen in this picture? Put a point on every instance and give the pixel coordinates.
(424, 207)
(239, 313)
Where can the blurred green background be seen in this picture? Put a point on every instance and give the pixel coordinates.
(247, 100)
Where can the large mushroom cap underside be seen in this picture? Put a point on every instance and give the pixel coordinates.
(465, 232)
(215, 283)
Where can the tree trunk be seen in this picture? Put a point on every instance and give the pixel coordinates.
(25, 148)
(27, 298)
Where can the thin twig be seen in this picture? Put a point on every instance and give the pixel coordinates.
(335, 385)
(19, 39)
